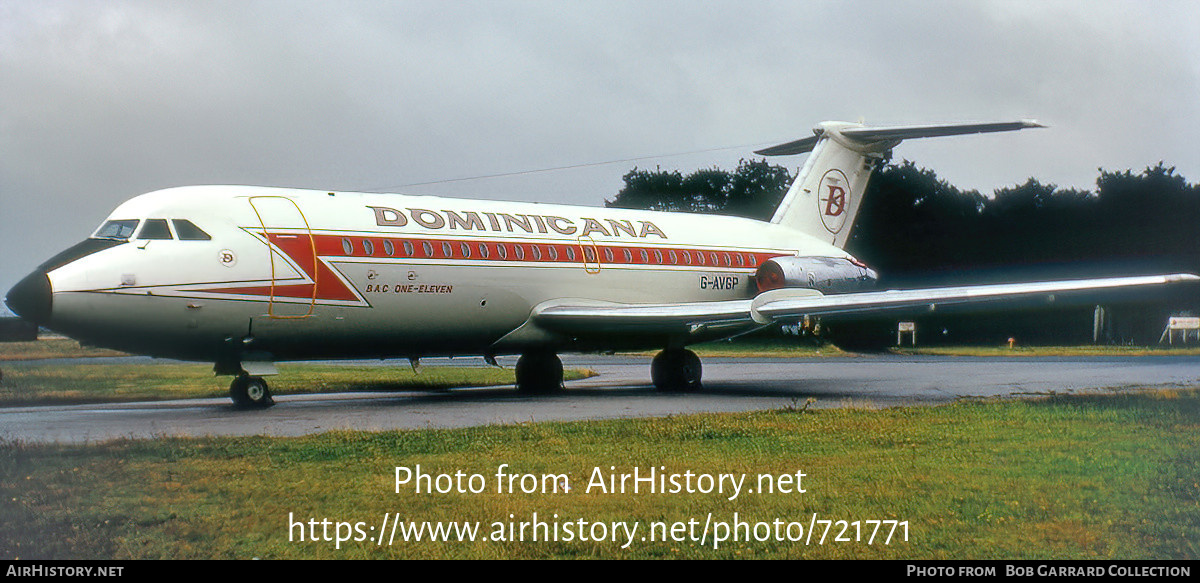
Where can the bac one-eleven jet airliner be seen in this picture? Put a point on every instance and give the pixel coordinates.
(246, 276)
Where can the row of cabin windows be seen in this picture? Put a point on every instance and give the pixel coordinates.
(536, 252)
(152, 229)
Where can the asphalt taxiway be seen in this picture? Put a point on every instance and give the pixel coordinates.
(621, 389)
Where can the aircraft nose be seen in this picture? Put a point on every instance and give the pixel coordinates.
(31, 298)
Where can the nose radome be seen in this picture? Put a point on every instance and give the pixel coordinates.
(31, 298)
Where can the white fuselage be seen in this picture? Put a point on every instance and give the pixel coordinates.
(307, 274)
(296, 274)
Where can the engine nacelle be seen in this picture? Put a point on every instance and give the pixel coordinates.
(828, 275)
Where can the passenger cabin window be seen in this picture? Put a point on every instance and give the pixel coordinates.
(122, 230)
(187, 231)
(155, 229)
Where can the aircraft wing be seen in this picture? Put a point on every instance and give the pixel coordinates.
(581, 317)
(779, 304)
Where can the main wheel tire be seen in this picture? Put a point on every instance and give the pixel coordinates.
(676, 370)
(539, 373)
(250, 392)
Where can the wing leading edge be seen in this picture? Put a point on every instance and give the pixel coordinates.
(582, 317)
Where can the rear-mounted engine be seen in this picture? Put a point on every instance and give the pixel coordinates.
(828, 275)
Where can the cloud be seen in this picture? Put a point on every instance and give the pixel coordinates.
(100, 101)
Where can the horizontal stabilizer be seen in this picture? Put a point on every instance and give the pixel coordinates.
(791, 148)
(868, 135)
(934, 131)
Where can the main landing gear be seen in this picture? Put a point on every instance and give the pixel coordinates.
(250, 392)
(539, 373)
(676, 370)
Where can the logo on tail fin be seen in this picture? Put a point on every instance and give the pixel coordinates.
(833, 199)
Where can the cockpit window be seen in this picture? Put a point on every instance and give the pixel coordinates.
(121, 230)
(155, 229)
(188, 231)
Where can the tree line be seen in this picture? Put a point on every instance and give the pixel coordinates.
(917, 229)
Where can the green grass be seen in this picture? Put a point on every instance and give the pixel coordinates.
(40, 384)
(1114, 476)
(51, 348)
(748, 347)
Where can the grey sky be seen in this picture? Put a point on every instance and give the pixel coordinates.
(101, 101)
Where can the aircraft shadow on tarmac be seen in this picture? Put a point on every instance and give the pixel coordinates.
(375, 396)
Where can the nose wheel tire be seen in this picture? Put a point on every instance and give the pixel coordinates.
(250, 392)
(676, 370)
(539, 373)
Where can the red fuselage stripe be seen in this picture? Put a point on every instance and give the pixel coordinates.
(328, 286)
(329, 246)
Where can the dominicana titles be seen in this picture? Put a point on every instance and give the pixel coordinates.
(513, 223)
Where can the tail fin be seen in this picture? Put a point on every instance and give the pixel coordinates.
(824, 198)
